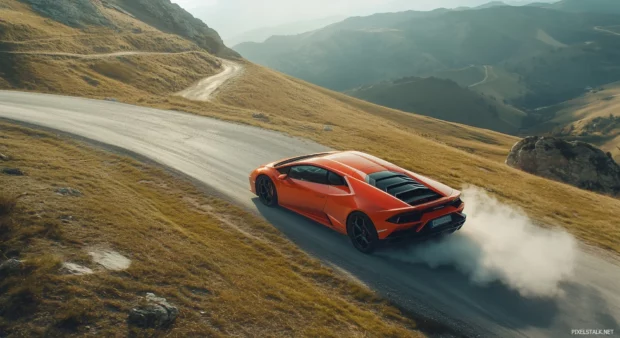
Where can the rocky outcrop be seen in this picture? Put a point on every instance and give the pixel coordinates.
(161, 14)
(169, 17)
(156, 312)
(68, 192)
(9, 266)
(12, 171)
(74, 13)
(576, 163)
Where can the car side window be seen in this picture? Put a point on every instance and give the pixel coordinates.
(335, 179)
(284, 170)
(308, 173)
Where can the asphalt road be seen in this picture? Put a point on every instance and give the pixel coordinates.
(221, 155)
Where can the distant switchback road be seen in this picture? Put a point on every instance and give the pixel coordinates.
(222, 154)
(205, 89)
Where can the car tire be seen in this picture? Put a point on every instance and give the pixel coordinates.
(266, 191)
(362, 232)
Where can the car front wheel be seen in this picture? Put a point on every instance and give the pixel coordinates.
(266, 191)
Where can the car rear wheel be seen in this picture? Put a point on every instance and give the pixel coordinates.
(266, 191)
(362, 232)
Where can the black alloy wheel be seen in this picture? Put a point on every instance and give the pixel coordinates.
(362, 232)
(266, 191)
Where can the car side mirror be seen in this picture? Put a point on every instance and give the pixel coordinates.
(282, 177)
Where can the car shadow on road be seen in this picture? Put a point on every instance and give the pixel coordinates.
(436, 294)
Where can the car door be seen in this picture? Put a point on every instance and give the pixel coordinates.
(305, 189)
(339, 201)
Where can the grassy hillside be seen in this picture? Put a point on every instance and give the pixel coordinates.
(442, 99)
(594, 118)
(230, 274)
(161, 14)
(456, 154)
(140, 76)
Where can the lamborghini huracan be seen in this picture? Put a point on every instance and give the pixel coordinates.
(359, 195)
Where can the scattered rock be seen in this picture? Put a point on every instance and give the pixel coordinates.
(576, 163)
(4, 157)
(66, 218)
(76, 269)
(155, 313)
(13, 172)
(260, 116)
(10, 266)
(68, 192)
(111, 260)
(328, 128)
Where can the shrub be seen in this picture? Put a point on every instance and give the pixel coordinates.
(7, 204)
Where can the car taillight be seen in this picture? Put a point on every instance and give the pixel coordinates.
(408, 217)
(457, 203)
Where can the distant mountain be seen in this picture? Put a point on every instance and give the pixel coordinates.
(551, 55)
(492, 4)
(261, 34)
(442, 99)
(595, 6)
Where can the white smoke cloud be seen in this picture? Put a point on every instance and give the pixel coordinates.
(500, 243)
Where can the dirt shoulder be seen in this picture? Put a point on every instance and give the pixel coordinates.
(229, 273)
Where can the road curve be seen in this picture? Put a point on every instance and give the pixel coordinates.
(486, 78)
(222, 154)
(204, 89)
(601, 29)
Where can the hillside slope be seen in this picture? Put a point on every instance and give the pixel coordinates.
(452, 153)
(228, 273)
(161, 14)
(593, 117)
(442, 99)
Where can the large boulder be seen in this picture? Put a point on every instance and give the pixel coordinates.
(576, 163)
(154, 312)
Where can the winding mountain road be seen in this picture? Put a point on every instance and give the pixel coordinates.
(221, 155)
(205, 89)
(486, 78)
(601, 29)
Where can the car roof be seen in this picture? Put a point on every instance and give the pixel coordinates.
(352, 163)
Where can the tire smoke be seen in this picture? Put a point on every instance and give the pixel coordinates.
(500, 243)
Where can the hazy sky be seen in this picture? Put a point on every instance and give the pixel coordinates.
(232, 17)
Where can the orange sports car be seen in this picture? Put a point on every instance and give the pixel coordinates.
(370, 200)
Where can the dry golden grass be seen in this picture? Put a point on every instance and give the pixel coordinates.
(135, 76)
(184, 246)
(7, 203)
